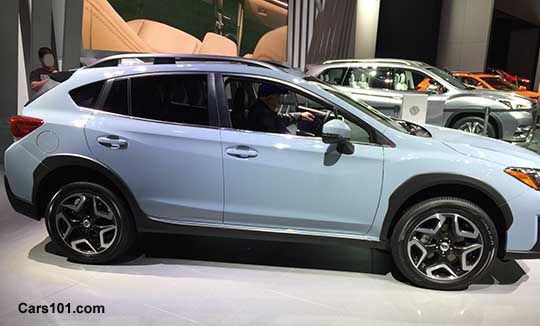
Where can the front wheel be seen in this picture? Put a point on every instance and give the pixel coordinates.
(475, 125)
(90, 223)
(444, 243)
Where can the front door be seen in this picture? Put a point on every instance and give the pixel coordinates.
(293, 180)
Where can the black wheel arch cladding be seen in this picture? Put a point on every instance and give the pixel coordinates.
(418, 183)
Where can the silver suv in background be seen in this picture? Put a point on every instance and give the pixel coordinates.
(382, 83)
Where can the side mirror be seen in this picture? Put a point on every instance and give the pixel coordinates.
(337, 132)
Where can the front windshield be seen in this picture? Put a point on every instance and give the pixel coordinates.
(500, 84)
(447, 77)
(372, 112)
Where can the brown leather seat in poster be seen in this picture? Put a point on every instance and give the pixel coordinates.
(272, 46)
(104, 29)
(164, 38)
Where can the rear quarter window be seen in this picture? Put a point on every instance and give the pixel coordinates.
(87, 95)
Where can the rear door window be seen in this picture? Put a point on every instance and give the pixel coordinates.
(117, 98)
(171, 98)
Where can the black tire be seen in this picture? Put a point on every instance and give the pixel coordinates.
(123, 237)
(422, 214)
(468, 122)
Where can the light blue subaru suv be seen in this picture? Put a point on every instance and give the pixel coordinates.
(233, 147)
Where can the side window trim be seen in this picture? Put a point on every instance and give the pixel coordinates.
(102, 97)
(105, 91)
(129, 97)
(221, 101)
(214, 118)
(345, 74)
(374, 135)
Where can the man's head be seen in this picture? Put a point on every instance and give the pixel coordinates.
(270, 95)
(46, 57)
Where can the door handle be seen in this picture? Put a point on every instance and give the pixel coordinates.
(113, 142)
(241, 151)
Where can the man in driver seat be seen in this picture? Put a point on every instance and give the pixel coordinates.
(264, 115)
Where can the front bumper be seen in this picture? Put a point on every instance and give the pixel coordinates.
(533, 253)
(20, 206)
(516, 125)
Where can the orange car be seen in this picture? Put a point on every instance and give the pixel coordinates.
(493, 82)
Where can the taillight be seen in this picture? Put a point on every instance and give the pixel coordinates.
(21, 126)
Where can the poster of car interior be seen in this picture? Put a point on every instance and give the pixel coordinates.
(249, 28)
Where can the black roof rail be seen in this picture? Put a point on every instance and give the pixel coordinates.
(115, 60)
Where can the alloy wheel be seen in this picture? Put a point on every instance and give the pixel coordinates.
(86, 223)
(473, 127)
(445, 246)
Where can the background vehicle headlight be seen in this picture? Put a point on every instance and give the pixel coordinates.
(523, 107)
(530, 177)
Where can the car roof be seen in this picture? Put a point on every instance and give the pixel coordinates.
(461, 73)
(138, 64)
(385, 61)
(484, 75)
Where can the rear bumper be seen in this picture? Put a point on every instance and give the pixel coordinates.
(20, 206)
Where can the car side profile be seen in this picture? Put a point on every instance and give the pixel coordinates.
(161, 143)
(382, 83)
(514, 79)
(494, 83)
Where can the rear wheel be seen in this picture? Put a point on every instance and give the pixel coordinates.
(90, 223)
(475, 125)
(444, 243)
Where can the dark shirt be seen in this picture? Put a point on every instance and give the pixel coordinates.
(39, 73)
(262, 118)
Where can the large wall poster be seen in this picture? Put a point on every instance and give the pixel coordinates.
(250, 28)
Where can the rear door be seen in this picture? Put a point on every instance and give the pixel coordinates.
(159, 134)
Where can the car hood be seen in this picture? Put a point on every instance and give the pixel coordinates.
(528, 94)
(499, 95)
(485, 148)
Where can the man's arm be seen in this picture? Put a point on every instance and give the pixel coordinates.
(35, 80)
(288, 119)
(36, 85)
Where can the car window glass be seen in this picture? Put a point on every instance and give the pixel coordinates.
(87, 95)
(171, 98)
(471, 82)
(117, 98)
(500, 84)
(370, 77)
(447, 77)
(252, 112)
(333, 76)
(411, 80)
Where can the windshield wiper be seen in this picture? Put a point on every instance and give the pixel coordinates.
(413, 128)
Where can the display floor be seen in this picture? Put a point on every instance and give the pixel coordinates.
(189, 281)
